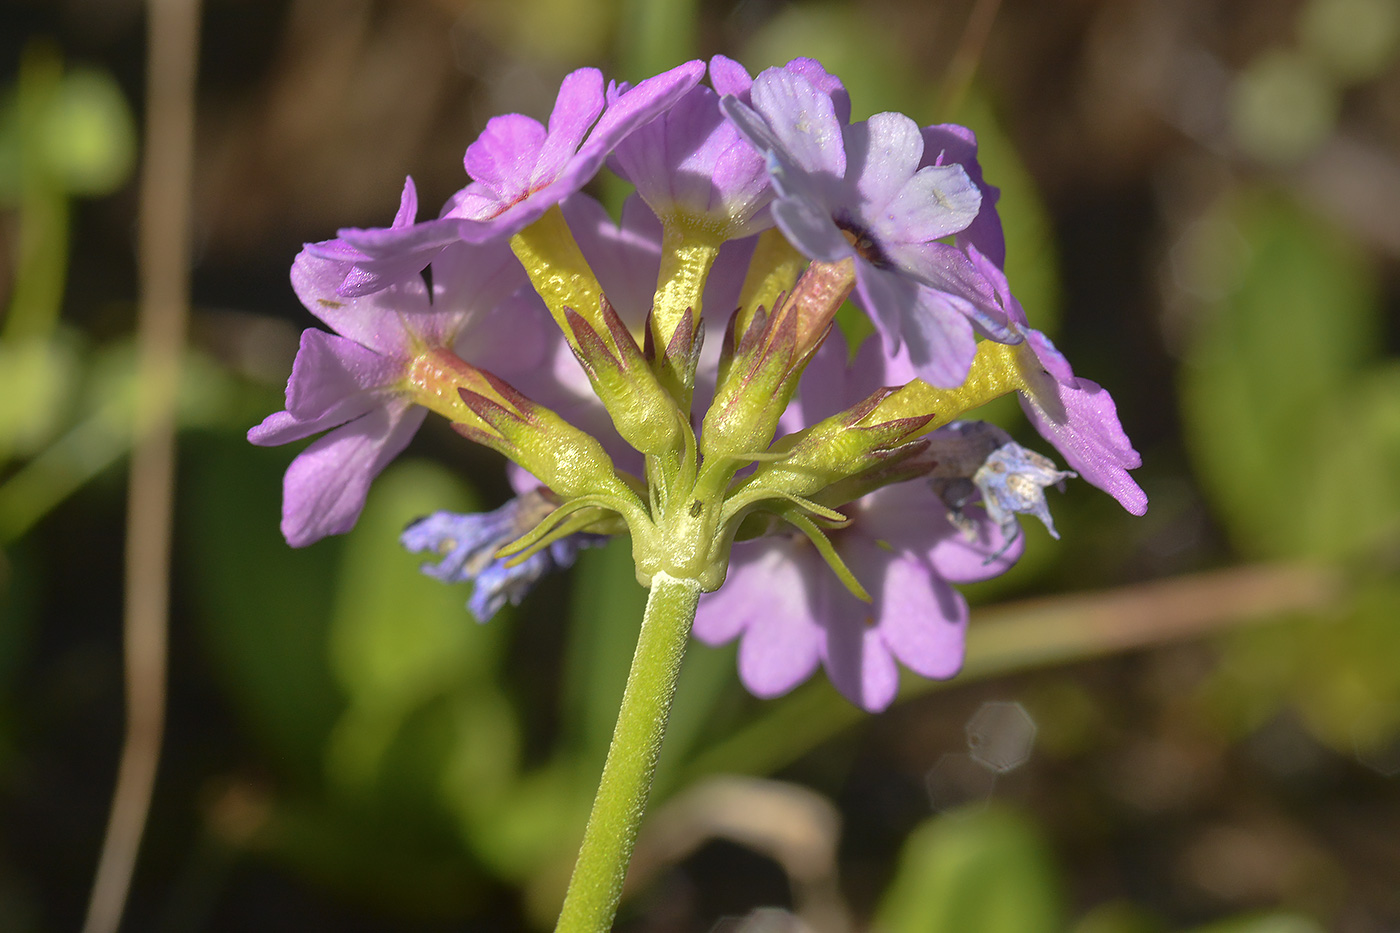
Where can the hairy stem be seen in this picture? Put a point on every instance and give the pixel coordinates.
(596, 885)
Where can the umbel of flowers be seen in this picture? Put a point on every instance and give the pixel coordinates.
(675, 377)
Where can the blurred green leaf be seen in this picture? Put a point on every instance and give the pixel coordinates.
(973, 872)
(1354, 39)
(397, 638)
(89, 136)
(1119, 917)
(578, 32)
(11, 149)
(655, 35)
(369, 859)
(263, 607)
(1346, 683)
(208, 397)
(606, 616)
(1282, 107)
(38, 378)
(1338, 673)
(1271, 379)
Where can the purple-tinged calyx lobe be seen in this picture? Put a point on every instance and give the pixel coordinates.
(764, 362)
(643, 411)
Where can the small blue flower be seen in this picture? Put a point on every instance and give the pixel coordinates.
(1013, 480)
(467, 545)
(979, 462)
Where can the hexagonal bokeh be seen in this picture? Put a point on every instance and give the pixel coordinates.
(1382, 758)
(1000, 736)
(957, 780)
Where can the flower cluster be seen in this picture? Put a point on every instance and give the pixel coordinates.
(833, 487)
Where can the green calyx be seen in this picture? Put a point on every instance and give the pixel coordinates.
(684, 513)
(645, 413)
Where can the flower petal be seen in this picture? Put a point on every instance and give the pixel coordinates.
(1081, 420)
(810, 229)
(375, 321)
(728, 77)
(937, 201)
(768, 600)
(921, 619)
(576, 108)
(938, 338)
(635, 108)
(857, 660)
(949, 143)
(325, 487)
(803, 121)
(826, 82)
(503, 159)
(333, 381)
(882, 155)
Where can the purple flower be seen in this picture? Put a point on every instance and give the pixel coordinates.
(368, 274)
(871, 191)
(792, 613)
(1075, 415)
(521, 168)
(355, 381)
(693, 168)
(467, 544)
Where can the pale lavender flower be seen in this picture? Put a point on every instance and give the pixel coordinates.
(353, 381)
(466, 545)
(1012, 481)
(870, 191)
(520, 168)
(1076, 415)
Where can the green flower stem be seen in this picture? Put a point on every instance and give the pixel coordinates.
(596, 885)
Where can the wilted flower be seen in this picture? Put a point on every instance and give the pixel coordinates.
(466, 545)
